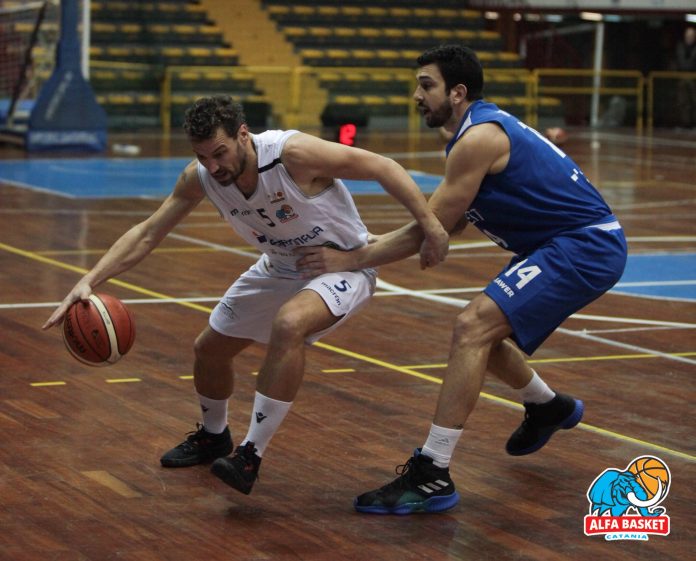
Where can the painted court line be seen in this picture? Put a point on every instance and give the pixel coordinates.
(365, 358)
(565, 359)
(460, 303)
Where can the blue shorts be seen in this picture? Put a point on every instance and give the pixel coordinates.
(539, 291)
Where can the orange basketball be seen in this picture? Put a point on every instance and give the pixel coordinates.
(649, 470)
(557, 135)
(98, 331)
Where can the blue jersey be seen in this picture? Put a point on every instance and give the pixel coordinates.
(540, 194)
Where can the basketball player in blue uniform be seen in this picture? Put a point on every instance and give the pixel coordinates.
(530, 198)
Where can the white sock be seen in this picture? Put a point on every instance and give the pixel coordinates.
(536, 391)
(214, 412)
(440, 444)
(266, 418)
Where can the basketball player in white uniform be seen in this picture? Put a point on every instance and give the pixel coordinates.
(279, 190)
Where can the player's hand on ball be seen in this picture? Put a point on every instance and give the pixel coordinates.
(80, 291)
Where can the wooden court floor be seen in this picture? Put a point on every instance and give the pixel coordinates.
(80, 478)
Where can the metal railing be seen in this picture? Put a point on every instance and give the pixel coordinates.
(661, 76)
(291, 93)
(596, 87)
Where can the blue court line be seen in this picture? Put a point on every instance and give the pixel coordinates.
(660, 275)
(655, 275)
(97, 178)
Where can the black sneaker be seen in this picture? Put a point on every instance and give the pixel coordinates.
(239, 470)
(420, 487)
(541, 421)
(200, 447)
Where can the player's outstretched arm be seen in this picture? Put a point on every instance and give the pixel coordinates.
(468, 163)
(307, 157)
(387, 248)
(136, 243)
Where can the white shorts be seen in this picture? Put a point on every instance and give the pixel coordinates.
(249, 306)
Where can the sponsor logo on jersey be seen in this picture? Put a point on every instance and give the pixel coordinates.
(236, 211)
(259, 236)
(473, 216)
(299, 240)
(506, 289)
(286, 213)
(277, 197)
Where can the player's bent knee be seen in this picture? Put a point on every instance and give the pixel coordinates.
(470, 330)
(200, 345)
(288, 326)
(465, 328)
(211, 344)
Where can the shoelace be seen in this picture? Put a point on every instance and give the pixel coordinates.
(245, 457)
(405, 472)
(193, 437)
(247, 451)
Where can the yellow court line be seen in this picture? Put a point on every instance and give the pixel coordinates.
(73, 268)
(122, 380)
(103, 251)
(598, 430)
(43, 384)
(569, 359)
(405, 370)
(194, 249)
(338, 370)
(377, 362)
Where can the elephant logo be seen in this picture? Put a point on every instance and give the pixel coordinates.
(624, 503)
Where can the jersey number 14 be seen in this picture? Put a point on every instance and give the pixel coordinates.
(525, 274)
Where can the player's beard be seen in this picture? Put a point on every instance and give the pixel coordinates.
(230, 176)
(435, 118)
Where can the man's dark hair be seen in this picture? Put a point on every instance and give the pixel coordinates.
(208, 114)
(458, 65)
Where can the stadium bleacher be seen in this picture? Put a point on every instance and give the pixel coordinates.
(133, 42)
(338, 39)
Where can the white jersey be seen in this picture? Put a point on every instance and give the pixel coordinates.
(279, 216)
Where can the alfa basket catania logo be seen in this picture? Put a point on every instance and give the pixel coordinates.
(624, 504)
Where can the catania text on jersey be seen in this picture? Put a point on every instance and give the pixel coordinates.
(299, 240)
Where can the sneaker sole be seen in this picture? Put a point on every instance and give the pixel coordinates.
(568, 423)
(431, 505)
(182, 463)
(219, 470)
(174, 463)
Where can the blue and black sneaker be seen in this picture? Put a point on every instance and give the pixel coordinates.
(541, 421)
(420, 487)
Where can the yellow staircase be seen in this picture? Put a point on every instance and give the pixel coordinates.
(260, 45)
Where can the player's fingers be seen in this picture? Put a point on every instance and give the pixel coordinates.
(307, 250)
(84, 294)
(55, 319)
(307, 260)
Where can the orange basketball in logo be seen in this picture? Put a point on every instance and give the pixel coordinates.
(649, 472)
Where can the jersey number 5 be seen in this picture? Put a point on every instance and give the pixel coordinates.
(525, 274)
(262, 214)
